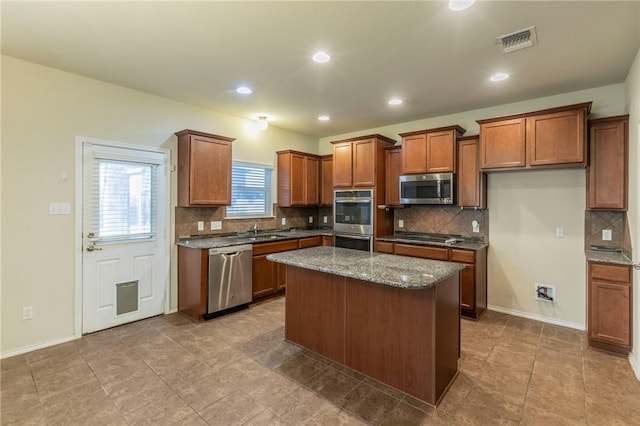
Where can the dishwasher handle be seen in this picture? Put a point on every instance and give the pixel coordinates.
(231, 250)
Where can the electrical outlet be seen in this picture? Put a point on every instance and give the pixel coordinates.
(284, 221)
(27, 312)
(200, 225)
(324, 219)
(310, 219)
(400, 223)
(475, 226)
(559, 232)
(606, 235)
(216, 225)
(59, 208)
(545, 292)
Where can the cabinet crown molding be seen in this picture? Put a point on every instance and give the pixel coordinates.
(460, 130)
(586, 106)
(206, 135)
(375, 136)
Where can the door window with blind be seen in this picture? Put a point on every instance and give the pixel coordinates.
(123, 188)
(250, 191)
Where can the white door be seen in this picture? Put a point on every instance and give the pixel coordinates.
(125, 258)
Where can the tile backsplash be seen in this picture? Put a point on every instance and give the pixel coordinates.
(595, 221)
(186, 220)
(443, 220)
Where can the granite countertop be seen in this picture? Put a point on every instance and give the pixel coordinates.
(248, 238)
(423, 240)
(618, 258)
(397, 271)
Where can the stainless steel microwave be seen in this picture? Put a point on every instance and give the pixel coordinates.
(431, 188)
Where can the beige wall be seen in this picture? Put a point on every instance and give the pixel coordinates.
(522, 222)
(632, 107)
(43, 110)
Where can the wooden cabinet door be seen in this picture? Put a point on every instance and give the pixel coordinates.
(364, 165)
(327, 241)
(281, 276)
(342, 163)
(414, 154)
(310, 242)
(471, 182)
(467, 288)
(264, 276)
(297, 180)
(326, 180)
(502, 144)
(210, 171)
(609, 312)
(441, 152)
(393, 169)
(607, 172)
(557, 138)
(312, 175)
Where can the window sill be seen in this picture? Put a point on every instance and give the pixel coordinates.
(249, 217)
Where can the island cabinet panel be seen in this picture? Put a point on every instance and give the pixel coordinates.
(609, 308)
(204, 169)
(472, 183)
(326, 180)
(317, 303)
(193, 267)
(608, 169)
(393, 170)
(553, 137)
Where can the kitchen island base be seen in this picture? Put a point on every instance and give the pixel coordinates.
(406, 338)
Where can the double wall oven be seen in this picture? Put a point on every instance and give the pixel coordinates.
(353, 219)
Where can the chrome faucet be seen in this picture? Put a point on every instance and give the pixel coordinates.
(255, 228)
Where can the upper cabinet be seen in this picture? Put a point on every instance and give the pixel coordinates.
(204, 169)
(393, 170)
(326, 180)
(298, 177)
(472, 183)
(430, 151)
(548, 138)
(359, 162)
(608, 170)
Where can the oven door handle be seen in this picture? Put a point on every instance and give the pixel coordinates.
(354, 237)
(344, 201)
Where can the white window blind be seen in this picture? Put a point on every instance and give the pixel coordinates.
(250, 191)
(120, 196)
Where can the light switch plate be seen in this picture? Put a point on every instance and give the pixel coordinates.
(559, 232)
(59, 208)
(200, 225)
(284, 220)
(324, 219)
(216, 225)
(310, 219)
(400, 223)
(606, 235)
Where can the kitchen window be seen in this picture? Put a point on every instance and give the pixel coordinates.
(250, 191)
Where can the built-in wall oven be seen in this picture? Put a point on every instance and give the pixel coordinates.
(353, 219)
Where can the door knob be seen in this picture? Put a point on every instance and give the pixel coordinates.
(92, 248)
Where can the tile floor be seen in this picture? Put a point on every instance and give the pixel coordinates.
(237, 370)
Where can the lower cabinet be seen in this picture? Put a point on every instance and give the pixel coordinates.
(268, 278)
(473, 278)
(327, 240)
(609, 313)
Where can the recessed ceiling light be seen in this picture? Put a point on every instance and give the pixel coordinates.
(499, 76)
(323, 118)
(244, 90)
(458, 5)
(395, 101)
(321, 57)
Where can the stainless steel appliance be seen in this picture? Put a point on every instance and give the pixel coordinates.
(230, 276)
(431, 188)
(353, 219)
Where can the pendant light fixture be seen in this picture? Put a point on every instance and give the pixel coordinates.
(262, 122)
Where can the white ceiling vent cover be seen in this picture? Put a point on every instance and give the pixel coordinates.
(518, 40)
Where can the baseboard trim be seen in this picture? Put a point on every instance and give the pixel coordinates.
(542, 318)
(171, 311)
(25, 349)
(634, 365)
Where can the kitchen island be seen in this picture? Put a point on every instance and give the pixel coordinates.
(392, 318)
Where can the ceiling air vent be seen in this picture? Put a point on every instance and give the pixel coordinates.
(518, 40)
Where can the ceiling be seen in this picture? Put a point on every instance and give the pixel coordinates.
(436, 60)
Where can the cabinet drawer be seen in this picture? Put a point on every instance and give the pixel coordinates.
(606, 272)
(383, 247)
(310, 242)
(275, 247)
(421, 251)
(463, 256)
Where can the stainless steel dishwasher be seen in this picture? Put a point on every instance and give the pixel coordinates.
(230, 276)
